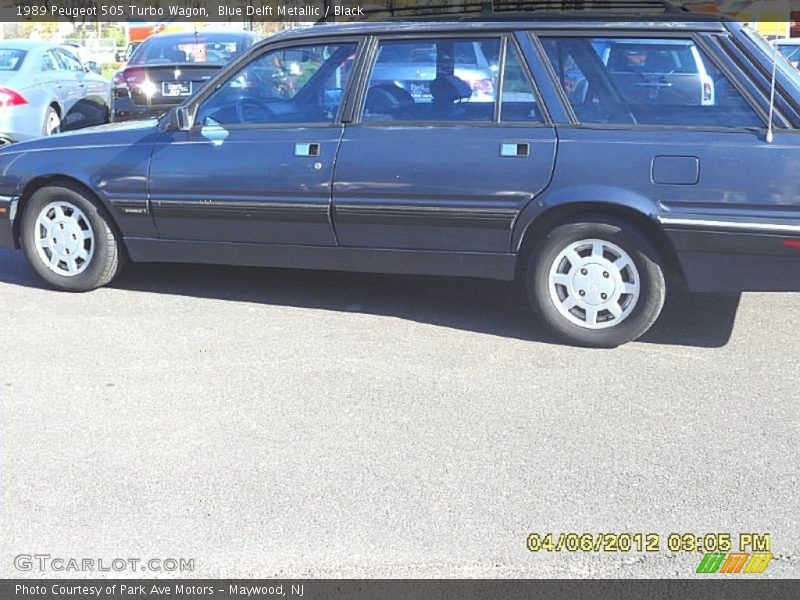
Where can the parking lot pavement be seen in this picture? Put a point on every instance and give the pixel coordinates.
(302, 423)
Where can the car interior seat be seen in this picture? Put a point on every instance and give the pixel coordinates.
(175, 55)
(387, 101)
(448, 91)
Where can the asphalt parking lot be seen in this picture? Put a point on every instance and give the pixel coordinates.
(300, 423)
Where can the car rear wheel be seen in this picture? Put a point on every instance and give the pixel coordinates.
(596, 281)
(68, 239)
(52, 122)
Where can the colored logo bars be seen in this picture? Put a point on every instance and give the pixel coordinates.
(734, 562)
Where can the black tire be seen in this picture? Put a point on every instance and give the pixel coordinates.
(626, 236)
(107, 258)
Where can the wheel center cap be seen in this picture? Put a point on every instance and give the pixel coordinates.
(65, 238)
(594, 284)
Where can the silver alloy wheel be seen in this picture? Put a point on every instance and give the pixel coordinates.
(64, 238)
(53, 122)
(594, 284)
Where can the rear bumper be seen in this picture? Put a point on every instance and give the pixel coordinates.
(22, 123)
(737, 255)
(8, 215)
(123, 109)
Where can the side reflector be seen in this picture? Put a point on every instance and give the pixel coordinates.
(791, 243)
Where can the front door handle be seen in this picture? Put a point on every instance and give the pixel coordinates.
(306, 149)
(515, 149)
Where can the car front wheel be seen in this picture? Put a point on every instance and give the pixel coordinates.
(68, 239)
(596, 281)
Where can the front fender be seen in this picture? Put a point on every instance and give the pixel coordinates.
(116, 175)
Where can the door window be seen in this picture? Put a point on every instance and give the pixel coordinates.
(666, 81)
(303, 84)
(70, 62)
(49, 62)
(518, 100)
(433, 80)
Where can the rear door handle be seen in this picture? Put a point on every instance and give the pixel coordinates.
(515, 149)
(306, 149)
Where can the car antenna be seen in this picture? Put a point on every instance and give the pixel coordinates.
(769, 137)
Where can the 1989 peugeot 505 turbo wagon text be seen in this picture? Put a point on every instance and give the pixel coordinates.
(598, 162)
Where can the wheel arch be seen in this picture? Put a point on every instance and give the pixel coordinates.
(41, 181)
(552, 216)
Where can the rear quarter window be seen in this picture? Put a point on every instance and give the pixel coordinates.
(654, 81)
(11, 60)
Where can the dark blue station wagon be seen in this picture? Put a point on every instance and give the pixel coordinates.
(599, 162)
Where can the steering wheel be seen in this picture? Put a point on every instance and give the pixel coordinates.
(244, 103)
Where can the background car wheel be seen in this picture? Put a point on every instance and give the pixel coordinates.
(52, 122)
(596, 282)
(68, 239)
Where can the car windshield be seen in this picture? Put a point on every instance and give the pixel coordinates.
(189, 48)
(10, 59)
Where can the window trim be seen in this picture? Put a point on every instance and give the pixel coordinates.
(787, 108)
(526, 73)
(501, 78)
(53, 61)
(707, 50)
(722, 60)
(245, 59)
(60, 65)
(502, 35)
(69, 56)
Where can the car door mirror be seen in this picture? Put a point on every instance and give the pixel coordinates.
(92, 67)
(180, 119)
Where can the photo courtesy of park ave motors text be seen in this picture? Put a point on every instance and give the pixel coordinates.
(399, 290)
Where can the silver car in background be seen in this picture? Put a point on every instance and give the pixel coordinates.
(413, 67)
(658, 71)
(44, 89)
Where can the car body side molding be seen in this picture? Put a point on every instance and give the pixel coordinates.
(367, 260)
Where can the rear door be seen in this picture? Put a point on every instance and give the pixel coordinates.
(52, 74)
(449, 142)
(56, 76)
(72, 75)
(88, 94)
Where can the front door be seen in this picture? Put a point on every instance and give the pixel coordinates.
(257, 165)
(448, 146)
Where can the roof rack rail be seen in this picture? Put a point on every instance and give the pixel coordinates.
(489, 9)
